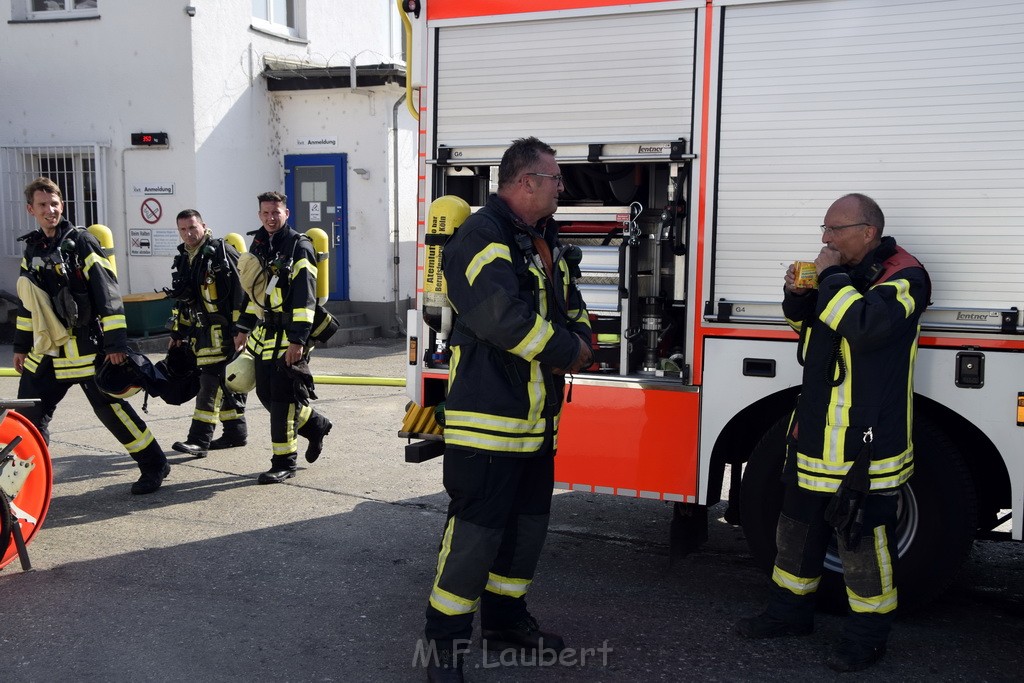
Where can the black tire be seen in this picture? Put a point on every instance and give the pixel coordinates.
(937, 517)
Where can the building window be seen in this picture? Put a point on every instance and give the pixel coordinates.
(77, 170)
(55, 9)
(276, 16)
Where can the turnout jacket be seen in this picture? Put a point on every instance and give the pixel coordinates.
(72, 267)
(858, 339)
(514, 327)
(288, 261)
(209, 296)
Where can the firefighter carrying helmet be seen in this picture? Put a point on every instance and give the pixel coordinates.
(137, 373)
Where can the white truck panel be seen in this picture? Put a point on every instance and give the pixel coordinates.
(628, 76)
(918, 104)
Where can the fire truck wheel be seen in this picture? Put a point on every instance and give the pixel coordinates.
(937, 517)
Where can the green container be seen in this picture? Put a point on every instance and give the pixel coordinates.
(147, 314)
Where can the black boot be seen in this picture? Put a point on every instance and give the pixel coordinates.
(316, 429)
(281, 467)
(235, 434)
(154, 468)
(444, 664)
(524, 634)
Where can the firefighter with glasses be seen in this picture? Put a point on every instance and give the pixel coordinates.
(204, 282)
(71, 317)
(521, 327)
(849, 446)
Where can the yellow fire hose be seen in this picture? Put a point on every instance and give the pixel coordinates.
(319, 379)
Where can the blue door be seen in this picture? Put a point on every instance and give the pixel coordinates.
(318, 198)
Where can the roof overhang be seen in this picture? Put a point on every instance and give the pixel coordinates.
(283, 75)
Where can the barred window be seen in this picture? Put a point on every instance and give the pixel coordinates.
(79, 173)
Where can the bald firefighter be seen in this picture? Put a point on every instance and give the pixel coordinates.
(850, 446)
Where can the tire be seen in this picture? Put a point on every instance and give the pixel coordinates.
(936, 517)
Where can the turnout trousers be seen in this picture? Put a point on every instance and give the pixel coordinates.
(289, 419)
(869, 570)
(215, 403)
(497, 522)
(117, 415)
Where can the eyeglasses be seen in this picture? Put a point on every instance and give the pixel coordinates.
(836, 228)
(557, 177)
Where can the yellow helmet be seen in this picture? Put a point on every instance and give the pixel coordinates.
(240, 374)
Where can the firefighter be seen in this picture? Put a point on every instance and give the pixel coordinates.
(70, 316)
(850, 446)
(204, 281)
(521, 326)
(278, 276)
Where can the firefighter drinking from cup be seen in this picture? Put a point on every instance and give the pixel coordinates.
(71, 316)
(849, 442)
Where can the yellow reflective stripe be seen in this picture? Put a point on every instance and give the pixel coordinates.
(816, 483)
(505, 585)
(886, 602)
(228, 415)
(492, 442)
(891, 464)
(887, 483)
(31, 364)
(291, 444)
(93, 259)
(793, 583)
(542, 286)
(535, 340)
(24, 324)
(440, 599)
(536, 392)
(204, 416)
(515, 425)
(453, 366)
(839, 304)
(142, 438)
(300, 265)
(74, 373)
(839, 404)
(492, 251)
(302, 315)
(795, 324)
(819, 466)
(902, 294)
(113, 322)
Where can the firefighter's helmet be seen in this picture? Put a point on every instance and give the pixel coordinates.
(182, 373)
(240, 374)
(136, 374)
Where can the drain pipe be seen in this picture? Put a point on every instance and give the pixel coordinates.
(396, 257)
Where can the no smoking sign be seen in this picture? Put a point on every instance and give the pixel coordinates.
(151, 210)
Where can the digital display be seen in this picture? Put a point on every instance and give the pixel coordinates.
(149, 139)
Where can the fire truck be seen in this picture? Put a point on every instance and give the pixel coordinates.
(701, 142)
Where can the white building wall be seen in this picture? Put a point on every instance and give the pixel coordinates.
(97, 81)
(146, 65)
(362, 122)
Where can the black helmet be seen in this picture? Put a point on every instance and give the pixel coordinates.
(137, 373)
(182, 373)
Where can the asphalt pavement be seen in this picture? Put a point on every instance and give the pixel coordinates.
(325, 577)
